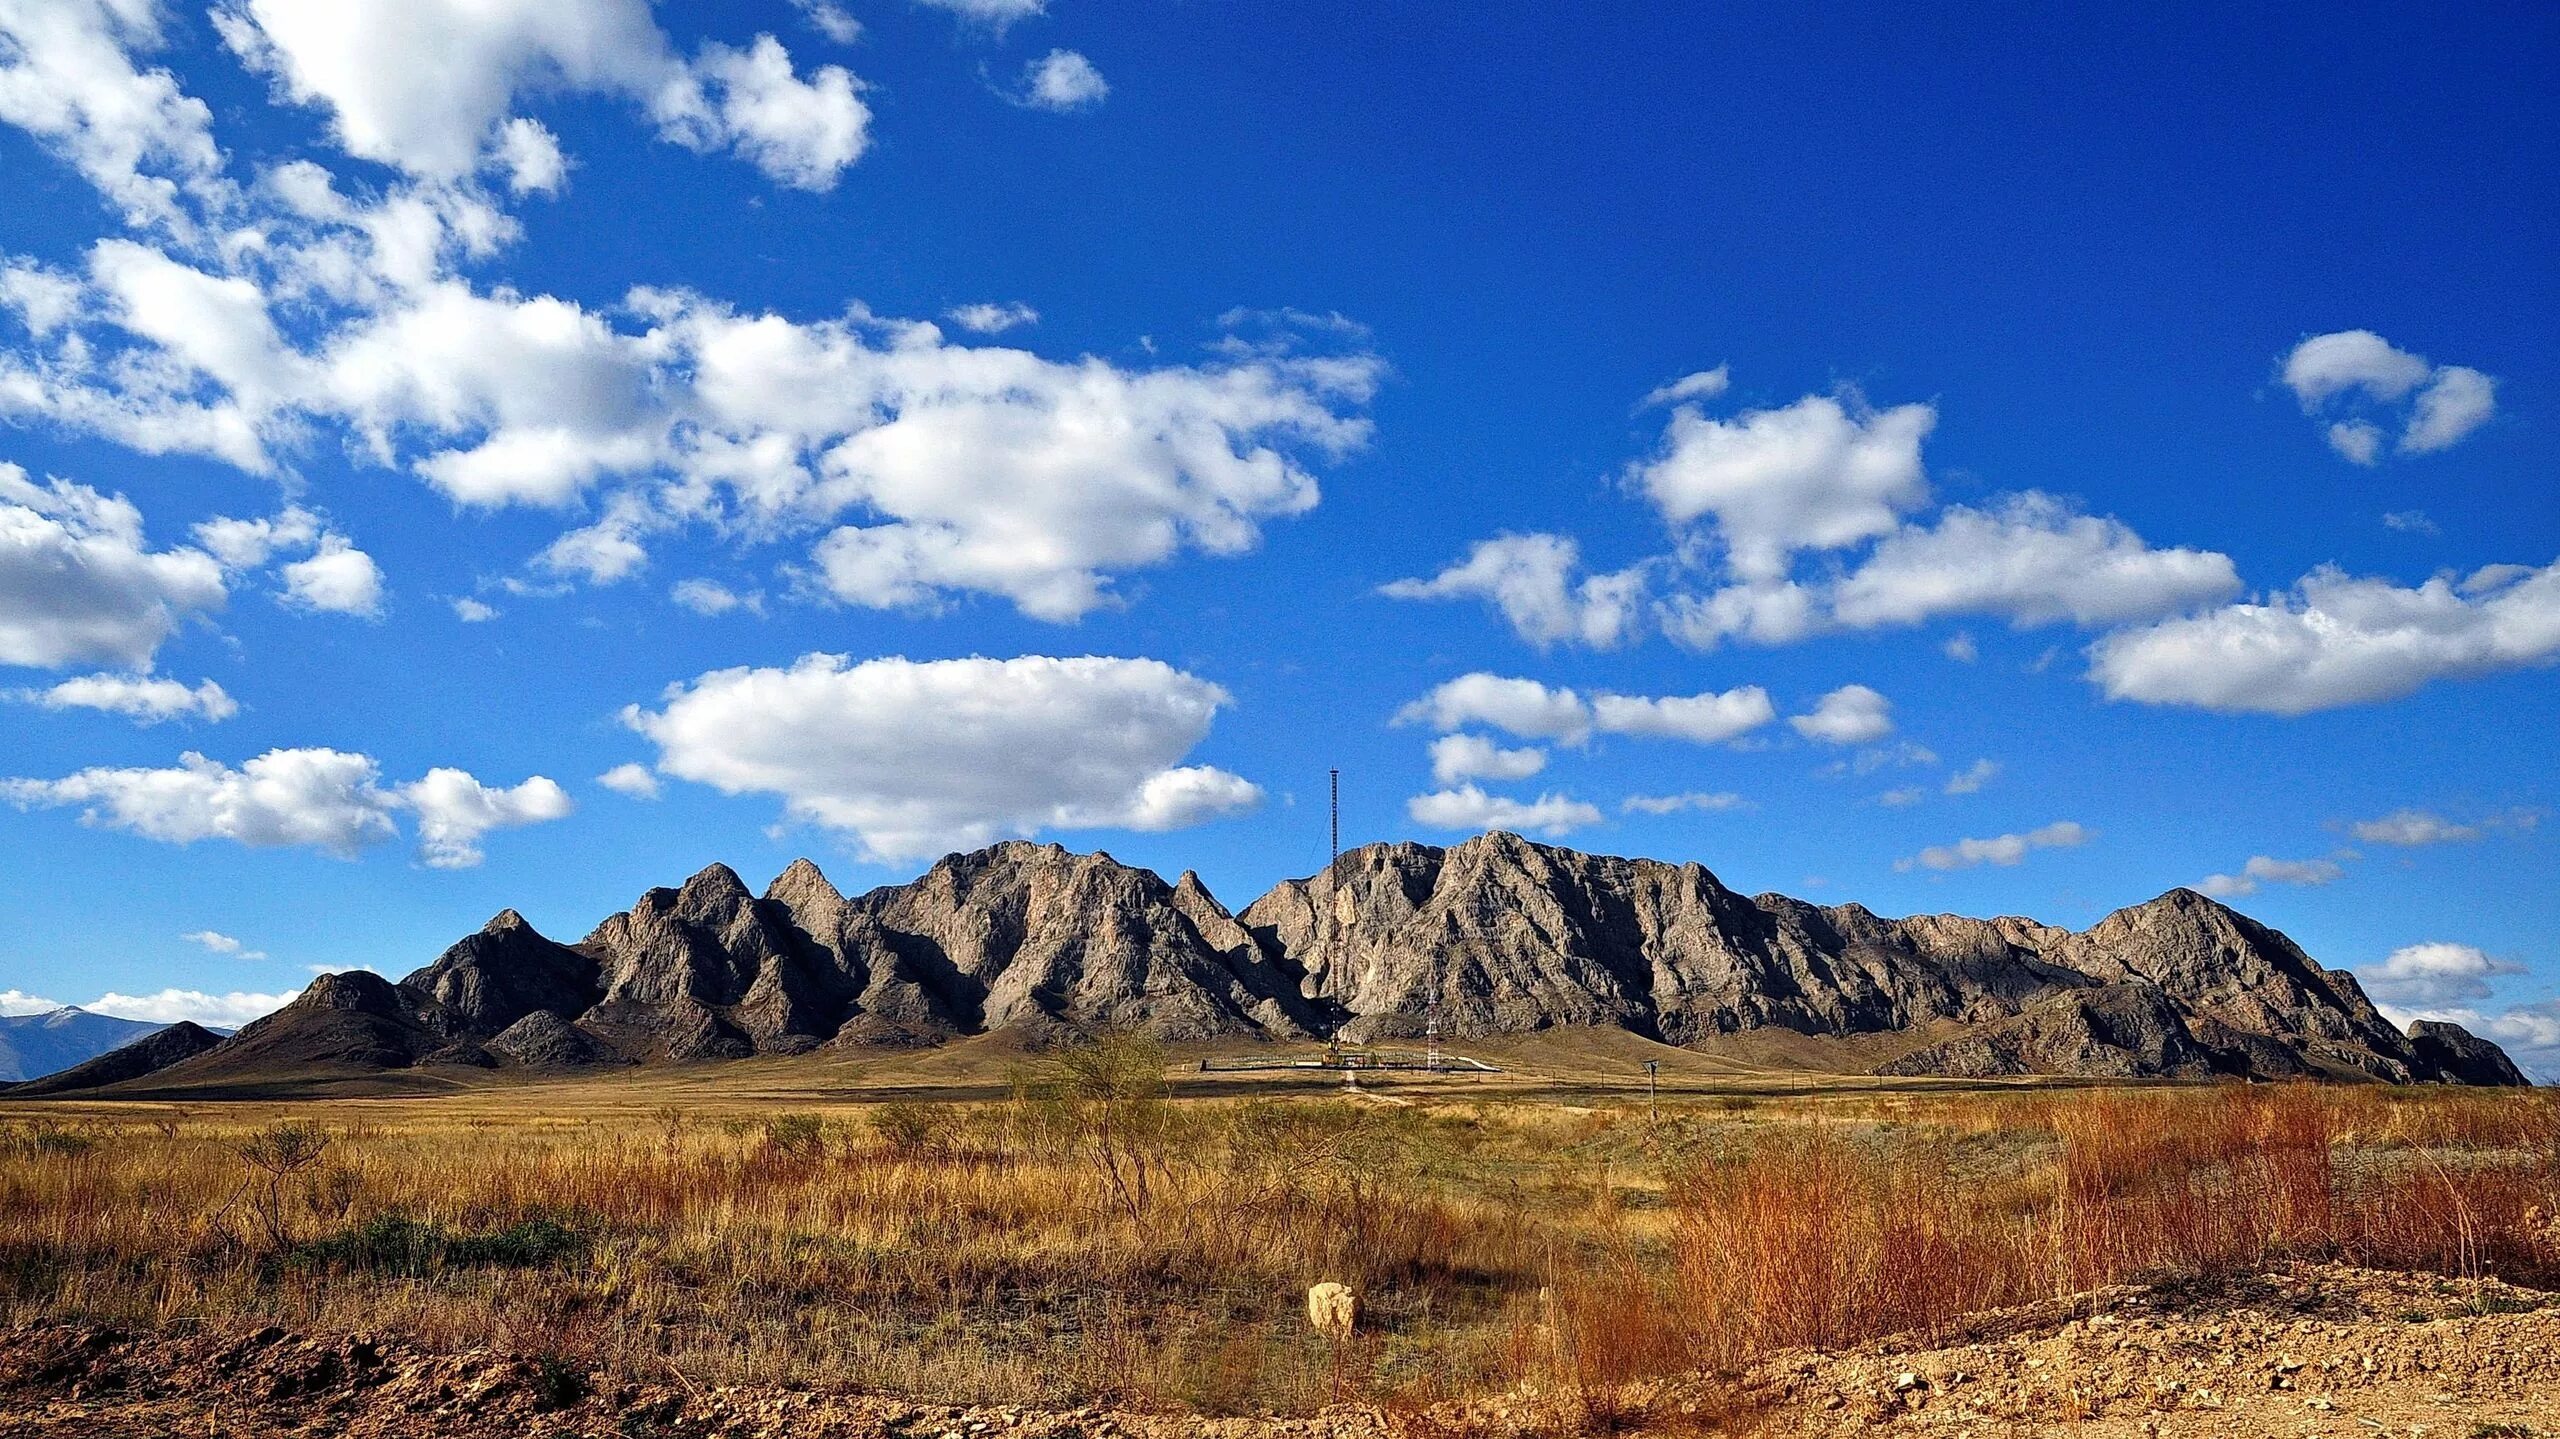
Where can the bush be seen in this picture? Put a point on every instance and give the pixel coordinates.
(913, 1129)
(795, 1138)
(396, 1244)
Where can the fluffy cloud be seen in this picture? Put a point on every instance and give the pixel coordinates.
(1702, 385)
(709, 597)
(223, 944)
(1822, 473)
(332, 577)
(78, 582)
(2410, 828)
(337, 578)
(1466, 756)
(2325, 367)
(474, 612)
(141, 698)
(1851, 714)
(1709, 718)
(170, 1006)
(2262, 870)
(429, 85)
(323, 799)
(1522, 707)
(1531, 580)
(1675, 803)
(2358, 368)
(1531, 710)
(454, 810)
(922, 468)
(633, 780)
(994, 13)
(2458, 401)
(1061, 80)
(67, 77)
(2433, 974)
(985, 318)
(830, 20)
(2033, 561)
(2337, 640)
(1469, 808)
(2006, 849)
(916, 758)
(1973, 778)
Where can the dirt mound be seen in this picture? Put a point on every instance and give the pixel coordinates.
(2311, 1350)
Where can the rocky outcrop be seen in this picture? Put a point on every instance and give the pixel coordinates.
(148, 1055)
(1494, 936)
(2110, 1031)
(2455, 1055)
(1507, 935)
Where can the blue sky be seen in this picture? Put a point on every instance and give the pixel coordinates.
(2125, 447)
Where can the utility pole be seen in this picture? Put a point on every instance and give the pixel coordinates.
(1652, 1114)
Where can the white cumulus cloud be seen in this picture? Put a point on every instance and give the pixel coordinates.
(2033, 561)
(1822, 473)
(988, 318)
(324, 799)
(1469, 808)
(1851, 714)
(1700, 800)
(913, 758)
(2263, 870)
(1459, 757)
(2006, 849)
(2433, 974)
(633, 780)
(429, 86)
(1531, 710)
(144, 699)
(219, 943)
(79, 583)
(1532, 580)
(454, 810)
(2436, 406)
(170, 1006)
(2337, 640)
(2412, 827)
(1061, 80)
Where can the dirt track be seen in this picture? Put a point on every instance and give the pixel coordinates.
(2312, 1351)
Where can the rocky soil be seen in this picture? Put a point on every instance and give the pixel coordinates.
(2309, 1351)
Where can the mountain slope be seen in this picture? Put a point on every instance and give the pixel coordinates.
(1495, 936)
(35, 1045)
(1512, 935)
(148, 1055)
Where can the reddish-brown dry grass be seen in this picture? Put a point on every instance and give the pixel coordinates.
(988, 1252)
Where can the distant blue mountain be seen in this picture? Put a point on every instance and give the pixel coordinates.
(35, 1045)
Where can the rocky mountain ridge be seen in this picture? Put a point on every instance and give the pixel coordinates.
(1495, 936)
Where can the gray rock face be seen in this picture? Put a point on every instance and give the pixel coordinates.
(1504, 935)
(2457, 1056)
(543, 1040)
(1516, 936)
(2111, 1031)
(498, 976)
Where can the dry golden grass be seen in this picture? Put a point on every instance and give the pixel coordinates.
(1104, 1243)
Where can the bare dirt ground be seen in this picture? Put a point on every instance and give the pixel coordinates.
(2308, 1351)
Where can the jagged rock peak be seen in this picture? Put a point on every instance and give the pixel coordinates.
(360, 990)
(714, 883)
(800, 882)
(507, 921)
